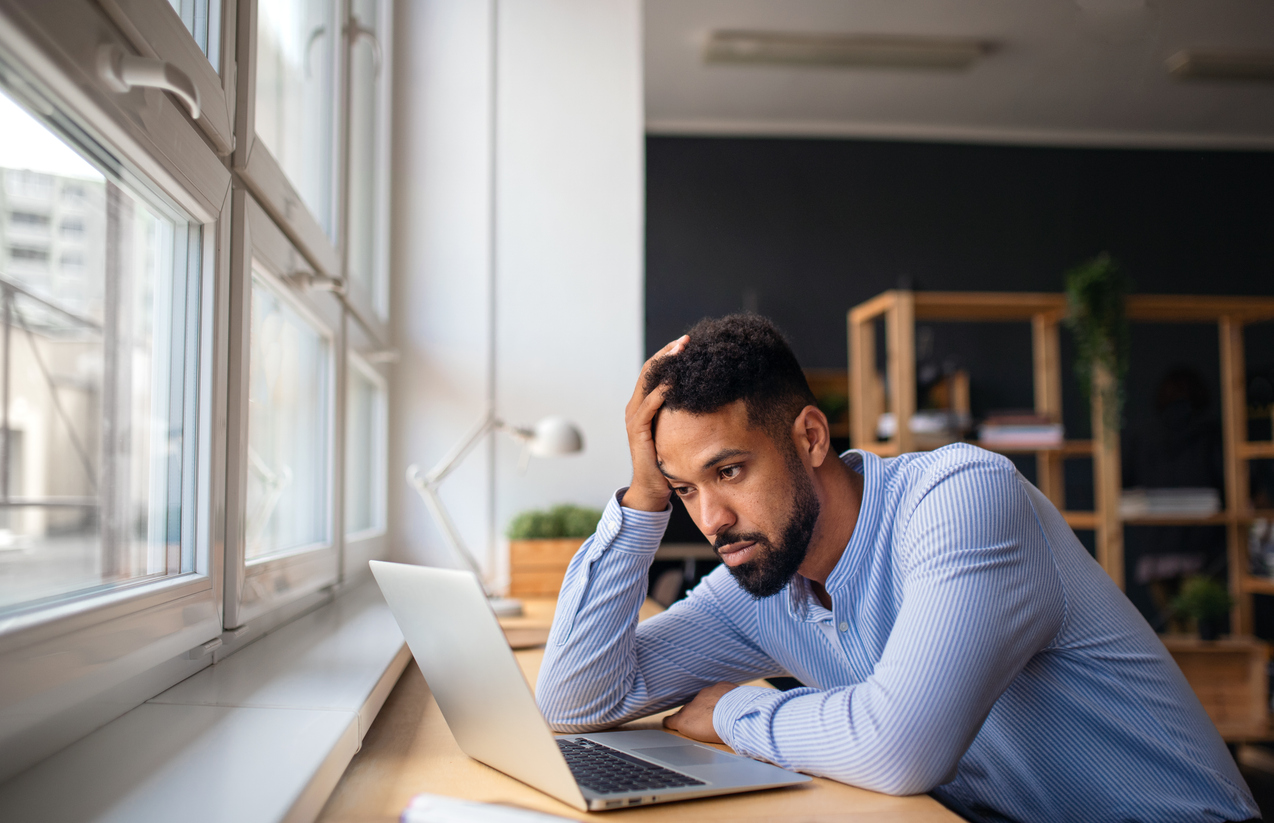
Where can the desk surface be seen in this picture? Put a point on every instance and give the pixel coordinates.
(409, 750)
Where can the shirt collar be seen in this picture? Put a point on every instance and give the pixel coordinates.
(802, 605)
(864, 534)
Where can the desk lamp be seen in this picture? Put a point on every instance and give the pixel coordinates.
(551, 437)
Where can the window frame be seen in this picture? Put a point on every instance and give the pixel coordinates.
(359, 547)
(371, 308)
(153, 28)
(262, 173)
(77, 664)
(254, 588)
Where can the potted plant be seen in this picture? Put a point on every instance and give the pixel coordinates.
(1205, 601)
(541, 545)
(1095, 293)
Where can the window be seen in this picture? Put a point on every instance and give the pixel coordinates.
(289, 395)
(366, 423)
(106, 435)
(296, 96)
(25, 221)
(202, 18)
(179, 406)
(368, 172)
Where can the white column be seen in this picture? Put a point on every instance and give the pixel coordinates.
(568, 244)
(570, 240)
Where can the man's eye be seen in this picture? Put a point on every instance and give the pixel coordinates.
(730, 472)
(681, 491)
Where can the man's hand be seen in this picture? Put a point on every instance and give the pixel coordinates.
(695, 718)
(649, 490)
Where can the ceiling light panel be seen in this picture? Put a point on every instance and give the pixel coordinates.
(1215, 64)
(844, 50)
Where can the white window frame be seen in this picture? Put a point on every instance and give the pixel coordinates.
(71, 667)
(254, 588)
(154, 29)
(261, 172)
(369, 544)
(371, 308)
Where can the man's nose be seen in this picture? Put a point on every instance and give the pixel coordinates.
(715, 516)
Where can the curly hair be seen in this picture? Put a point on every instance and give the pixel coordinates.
(737, 357)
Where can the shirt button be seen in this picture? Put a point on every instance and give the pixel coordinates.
(843, 626)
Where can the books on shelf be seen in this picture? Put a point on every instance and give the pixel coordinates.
(1169, 503)
(1020, 429)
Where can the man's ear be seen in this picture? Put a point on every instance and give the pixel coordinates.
(812, 434)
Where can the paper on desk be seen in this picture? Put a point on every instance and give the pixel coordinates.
(435, 808)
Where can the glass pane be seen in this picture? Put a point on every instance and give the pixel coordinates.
(203, 21)
(365, 449)
(367, 270)
(295, 81)
(288, 430)
(93, 371)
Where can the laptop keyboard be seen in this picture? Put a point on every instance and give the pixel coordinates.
(605, 770)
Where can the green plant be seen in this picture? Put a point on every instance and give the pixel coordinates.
(1203, 598)
(560, 521)
(1095, 293)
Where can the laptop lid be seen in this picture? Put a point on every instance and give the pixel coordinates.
(474, 676)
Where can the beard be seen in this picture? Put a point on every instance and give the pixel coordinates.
(776, 563)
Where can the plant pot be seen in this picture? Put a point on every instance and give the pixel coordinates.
(1209, 628)
(536, 567)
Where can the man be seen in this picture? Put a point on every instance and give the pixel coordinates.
(953, 635)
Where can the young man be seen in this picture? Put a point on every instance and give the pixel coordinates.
(952, 634)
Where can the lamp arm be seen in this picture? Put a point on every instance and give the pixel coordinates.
(453, 458)
(429, 494)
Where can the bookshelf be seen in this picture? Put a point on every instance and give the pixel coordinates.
(899, 311)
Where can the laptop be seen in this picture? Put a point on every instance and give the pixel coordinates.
(458, 644)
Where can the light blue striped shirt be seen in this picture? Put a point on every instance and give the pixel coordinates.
(974, 650)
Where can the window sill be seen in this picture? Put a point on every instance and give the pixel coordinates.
(263, 735)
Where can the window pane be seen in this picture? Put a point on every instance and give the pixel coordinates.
(295, 46)
(93, 371)
(288, 430)
(367, 271)
(365, 449)
(203, 21)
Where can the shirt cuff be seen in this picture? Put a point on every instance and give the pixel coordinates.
(733, 706)
(630, 530)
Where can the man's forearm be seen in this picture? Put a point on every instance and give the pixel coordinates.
(590, 676)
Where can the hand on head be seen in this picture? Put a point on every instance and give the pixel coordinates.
(649, 490)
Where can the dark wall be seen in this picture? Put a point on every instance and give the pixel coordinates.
(801, 230)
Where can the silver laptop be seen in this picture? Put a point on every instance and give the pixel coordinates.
(473, 675)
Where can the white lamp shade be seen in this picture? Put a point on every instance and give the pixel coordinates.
(555, 436)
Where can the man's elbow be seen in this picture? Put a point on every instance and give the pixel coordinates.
(913, 773)
(575, 716)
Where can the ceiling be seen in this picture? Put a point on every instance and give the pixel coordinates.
(1064, 72)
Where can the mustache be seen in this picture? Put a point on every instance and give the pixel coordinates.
(727, 538)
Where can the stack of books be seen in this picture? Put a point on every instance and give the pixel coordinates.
(1019, 430)
(1169, 503)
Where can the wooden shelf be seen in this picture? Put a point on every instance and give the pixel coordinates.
(1257, 451)
(1258, 585)
(1194, 308)
(1081, 520)
(1068, 448)
(1218, 519)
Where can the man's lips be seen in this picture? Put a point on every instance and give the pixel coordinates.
(737, 553)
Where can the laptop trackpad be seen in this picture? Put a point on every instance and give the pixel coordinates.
(686, 755)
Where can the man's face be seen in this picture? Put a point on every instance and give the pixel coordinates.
(750, 496)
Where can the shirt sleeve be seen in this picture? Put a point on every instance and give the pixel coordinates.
(601, 667)
(980, 596)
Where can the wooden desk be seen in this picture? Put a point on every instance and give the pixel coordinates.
(409, 750)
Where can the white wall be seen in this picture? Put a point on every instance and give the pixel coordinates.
(568, 240)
